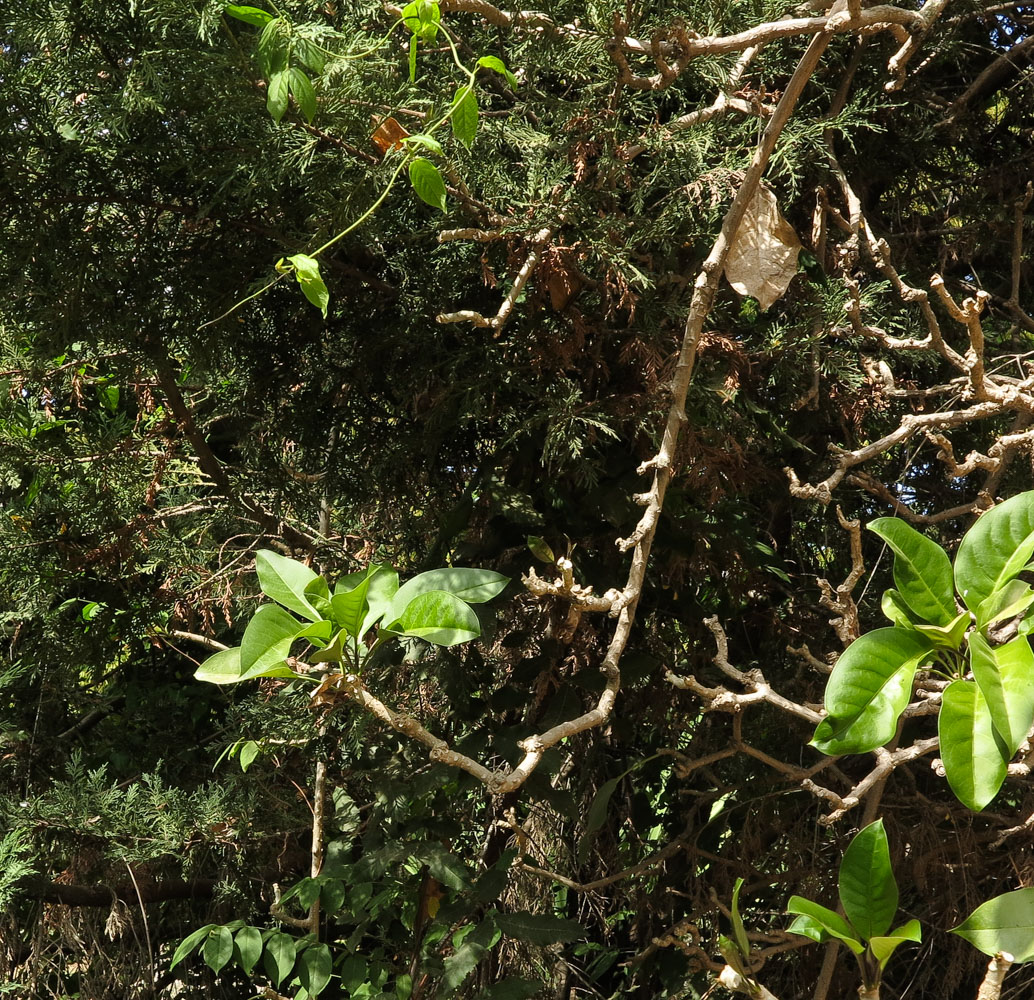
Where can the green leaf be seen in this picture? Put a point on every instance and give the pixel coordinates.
(384, 585)
(464, 960)
(314, 967)
(445, 866)
(425, 142)
(809, 927)
(1002, 924)
(285, 581)
(497, 65)
(472, 586)
(973, 761)
(218, 948)
(738, 930)
(1013, 599)
(412, 59)
(538, 928)
(597, 814)
(276, 94)
(278, 957)
(249, 947)
(273, 47)
(947, 636)
(304, 94)
(309, 54)
(922, 570)
(350, 608)
(883, 947)
(868, 891)
(1005, 676)
(224, 667)
(868, 689)
(893, 605)
(427, 182)
(438, 617)
(268, 638)
(539, 549)
(332, 896)
(250, 15)
(189, 943)
(995, 550)
(248, 752)
(465, 116)
(307, 271)
(830, 921)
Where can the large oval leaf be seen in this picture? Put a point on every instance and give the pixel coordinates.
(922, 570)
(1005, 676)
(249, 947)
(278, 957)
(438, 617)
(867, 887)
(995, 550)
(822, 921)
(218, 948)
(268, 637)
(1005, 923)
(224, 667)
(973, 761)
(868, 689)
(284, 580)
(314, 968)
(472, 586)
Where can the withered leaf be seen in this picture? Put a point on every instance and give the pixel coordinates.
(388, 135)
(763, 257)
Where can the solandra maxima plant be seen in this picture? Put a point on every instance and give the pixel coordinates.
(347, 626)
(987, 707)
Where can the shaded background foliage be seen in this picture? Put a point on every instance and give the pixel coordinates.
(146, 190)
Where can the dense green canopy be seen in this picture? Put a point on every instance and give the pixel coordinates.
(158, 427)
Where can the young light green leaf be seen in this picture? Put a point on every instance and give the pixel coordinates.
(427, 182)
(738, 930)
(1013, 599)
(893, 605)
(250, 15)
(868, 689)
(883, 947)
(309, 54)
(304, 94)
(947, 636)
(307, 271)
(922, 570)
(972, 756)
(268, 637)
(830, 921)
(464, 116)
(497, 65)
(273, 47)
(868, 890)
(276, 94)
(189, 943)
(809, 927)
(1005, 676)
(248, 752)
(425, 142)
(437, 617)
(284, 580)
(472, 586)
(995, 550)
(538, 928)
(278, 956)
(249, 947)
(218, 948)
(412, 59)
(1002, 924)
(314, 968)
(350, 608)
(384, 585)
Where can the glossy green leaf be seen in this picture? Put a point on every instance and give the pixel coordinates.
(972, 756)
(317, 593)
(307, 271)
(868, 689)
(249, 947)
(350, 607)
(278, 956)
(218, 948)
(285, 581)
(268, 637)
(438, 617)
(189, 943)
(831, 922)
(868, 891)
(883, 947)
(1002, 924)
(539, 549)
(809, 927)
(224, 667)
(333, 652)
(384, 585)
(314, 968)
(249, 750)
(922, 570)
(496, 64)
(304, 93)
(276, 94)
(995, 550)
(948, 636)
(536, 928)
(1013, 599)
(428, 183)
(250, 15)
(465, 116)
(1005, 676)
(472, 586)
(893, 605)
